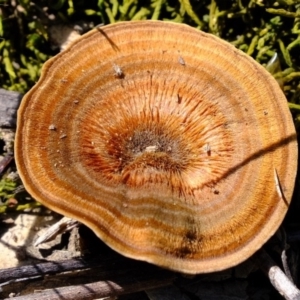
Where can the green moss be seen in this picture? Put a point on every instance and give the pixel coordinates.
(260, 28)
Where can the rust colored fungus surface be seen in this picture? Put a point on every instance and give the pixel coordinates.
(173, 146)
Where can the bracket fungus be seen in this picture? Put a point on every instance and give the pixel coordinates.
(170, 144)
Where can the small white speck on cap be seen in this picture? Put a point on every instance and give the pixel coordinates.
(181, 61)
(118, 71)
(52, 127)
(207, 148)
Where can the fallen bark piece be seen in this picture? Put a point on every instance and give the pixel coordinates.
(9, 103)
(119, 283)
(105, 262)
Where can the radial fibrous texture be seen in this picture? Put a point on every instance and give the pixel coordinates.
(173, 146)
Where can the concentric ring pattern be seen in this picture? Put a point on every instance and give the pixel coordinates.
(173, 146)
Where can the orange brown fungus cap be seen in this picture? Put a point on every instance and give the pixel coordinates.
(171, 145)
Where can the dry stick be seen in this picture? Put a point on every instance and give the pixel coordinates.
(123, 284)
(278, 279)
(64, 225)
(48, 268)
(108, 275)
(104, 264)
(285, 266)
(284, 258)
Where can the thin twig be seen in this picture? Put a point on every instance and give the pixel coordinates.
(277, 278)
